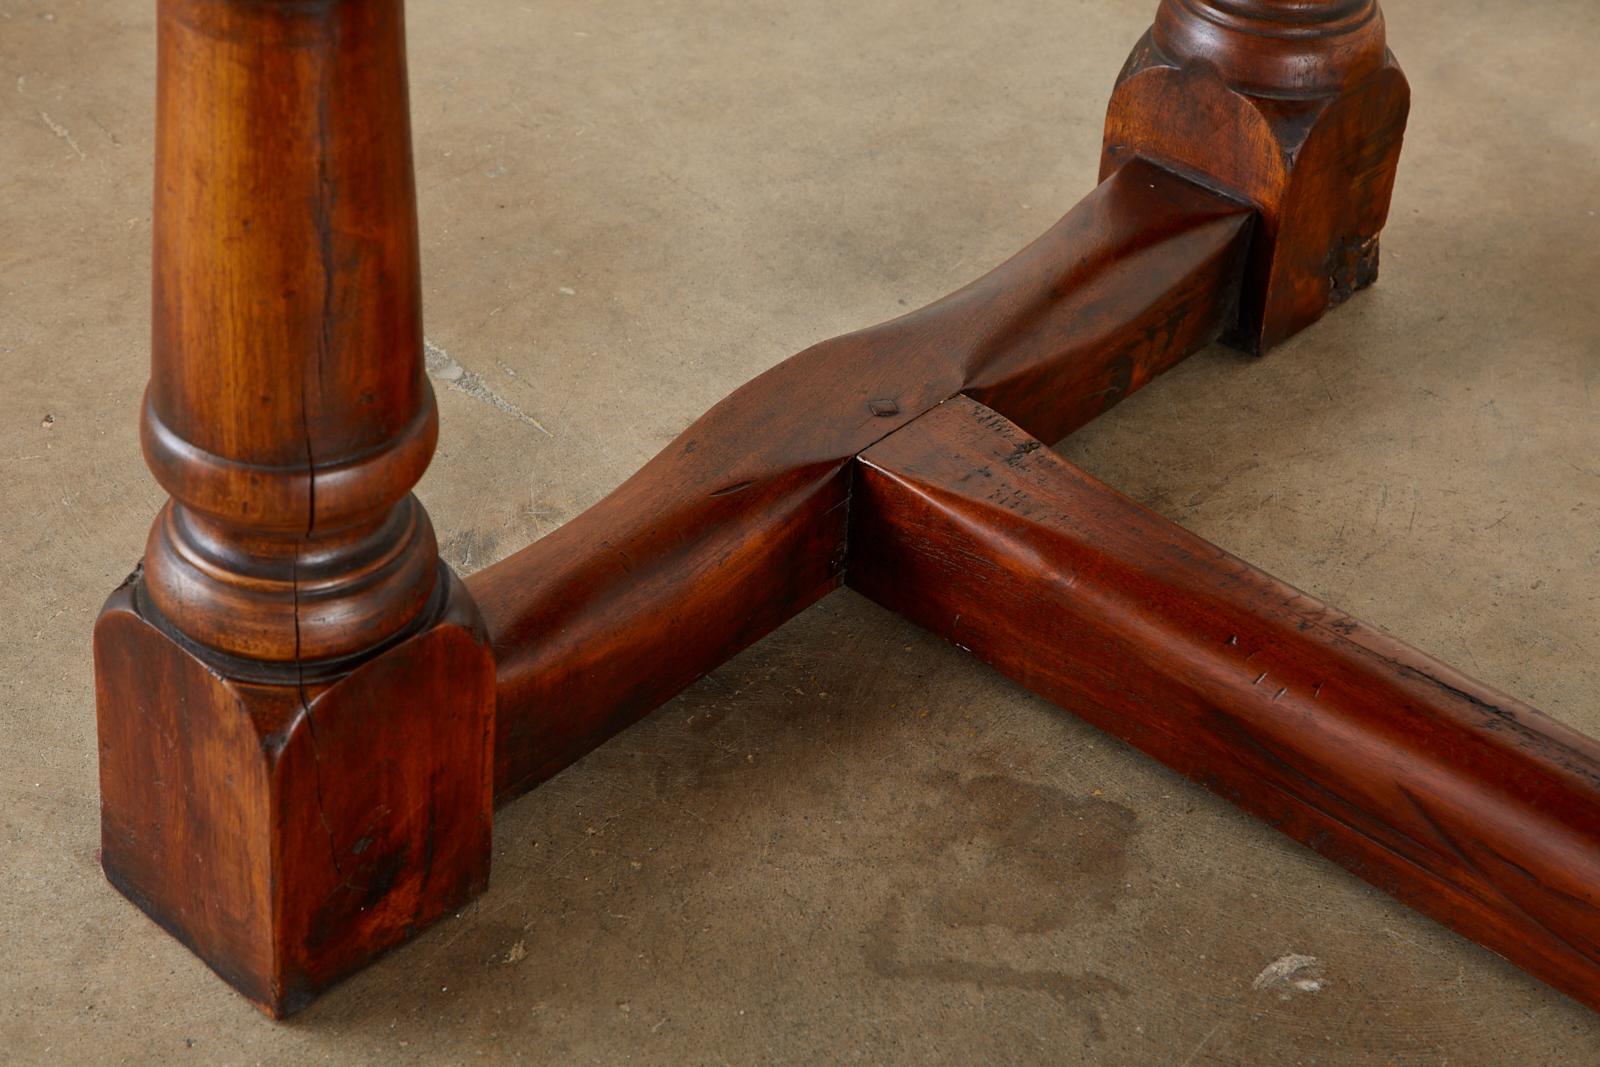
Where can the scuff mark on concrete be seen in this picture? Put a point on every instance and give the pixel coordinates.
(1290, 974)
(443, 366)
(63, 133)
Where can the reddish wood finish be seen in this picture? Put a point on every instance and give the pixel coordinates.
(1294, 105)
(287, 834)
(740, 523)
(288, 413)
(295, 698)
(1461, 801)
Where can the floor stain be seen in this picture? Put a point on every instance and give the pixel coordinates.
(1027, 857)
(886, 958)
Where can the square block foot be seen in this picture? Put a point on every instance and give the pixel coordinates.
(290, 832)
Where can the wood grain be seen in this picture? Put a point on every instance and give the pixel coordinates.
(740, 523)
(1463, 802)
(295, 698)
(288, 414)
(1296, 106)
(289, 835)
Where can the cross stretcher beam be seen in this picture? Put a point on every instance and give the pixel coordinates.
(1463, 802)
(742, 521)
(306, 720)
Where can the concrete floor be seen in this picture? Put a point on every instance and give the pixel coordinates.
(851, 843)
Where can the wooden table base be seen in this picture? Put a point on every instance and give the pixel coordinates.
(305, 719)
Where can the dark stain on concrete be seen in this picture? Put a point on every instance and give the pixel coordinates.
(887, 958)
(1024, 856)
(996, 851)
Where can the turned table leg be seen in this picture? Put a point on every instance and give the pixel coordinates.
(1296, 106)
(298, 702)
(295, 696)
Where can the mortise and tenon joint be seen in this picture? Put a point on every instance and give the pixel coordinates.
(305, 719)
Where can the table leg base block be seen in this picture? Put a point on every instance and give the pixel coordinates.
(289, 833)
(1319, 163)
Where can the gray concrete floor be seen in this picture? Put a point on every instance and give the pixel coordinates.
(851, 843)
